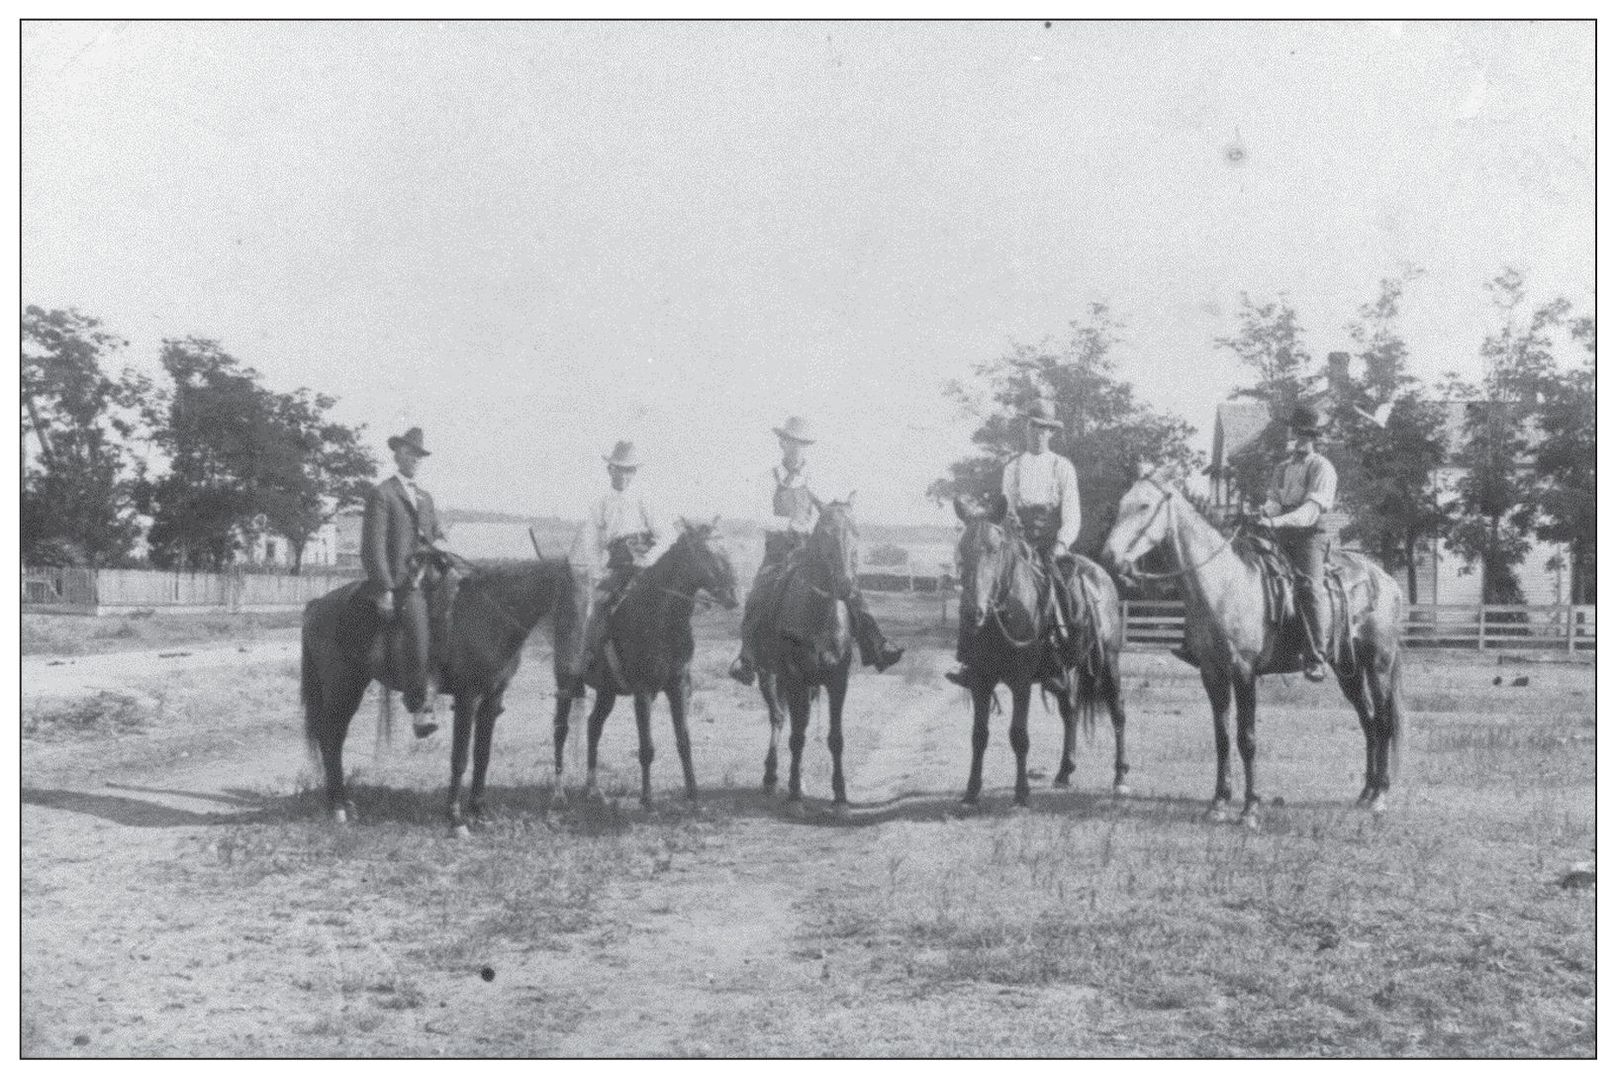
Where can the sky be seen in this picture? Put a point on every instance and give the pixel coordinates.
(532, 240)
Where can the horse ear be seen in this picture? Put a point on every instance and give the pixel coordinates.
(851, 497)
(715, 519)
(682, 523)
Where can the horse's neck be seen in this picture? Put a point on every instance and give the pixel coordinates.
(664, 576)
(530, 597)
(1203, 554)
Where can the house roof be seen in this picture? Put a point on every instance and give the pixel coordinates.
(1237, 424)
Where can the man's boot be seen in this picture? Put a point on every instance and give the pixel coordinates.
(742, 670)
(963, 676)
(887, 655)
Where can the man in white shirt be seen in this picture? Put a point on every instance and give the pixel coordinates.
(621, 536)
(1301, 491)
(1043, 502)
(785, 528)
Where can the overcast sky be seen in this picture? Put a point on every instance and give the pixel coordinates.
(531, 240)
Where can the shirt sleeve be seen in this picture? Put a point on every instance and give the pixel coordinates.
(769, 521)
(1070, 503)
(1322, 484)
(1010, 484)
(664, 535)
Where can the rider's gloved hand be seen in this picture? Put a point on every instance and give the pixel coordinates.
(385, 606)
(1270, 510)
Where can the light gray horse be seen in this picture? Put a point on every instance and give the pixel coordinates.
(1232, 639)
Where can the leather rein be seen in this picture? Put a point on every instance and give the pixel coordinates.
(1139, 571)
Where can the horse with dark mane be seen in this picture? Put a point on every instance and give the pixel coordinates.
(649, 642)
(1007, 603)
(493, 613)
(807, 646)
(1234, 637)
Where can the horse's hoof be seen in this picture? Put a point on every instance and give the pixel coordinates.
(1061, 781)
(1219, 813)
(461, 831)
(1123, 791)
(1378, 806)
(1021, 808)
(339, 816)
(557, 798)
(796, 808)
(970, 799)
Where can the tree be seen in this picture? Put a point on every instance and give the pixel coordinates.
(1387, 484)
(76, 505)
(1108, 433)
(1566, 462)
(1498, 495)
(244, 460)
(314, 468)
(214, 424)
(1268, 340)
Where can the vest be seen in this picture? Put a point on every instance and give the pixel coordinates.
(795, 503)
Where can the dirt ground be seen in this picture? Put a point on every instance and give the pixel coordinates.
(184, 895)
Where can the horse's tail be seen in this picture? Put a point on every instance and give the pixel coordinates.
(1390, 710)
(313, 695)
(383, 722)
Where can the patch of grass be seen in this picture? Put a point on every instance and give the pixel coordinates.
(101, 714)
(67, 634)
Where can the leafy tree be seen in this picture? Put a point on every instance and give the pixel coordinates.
(76, 506)
(1388, 485)
(214, 423)
(1269, 341)
(1108, 433)
(314, 468)
(1566, 462)
(1498, 496)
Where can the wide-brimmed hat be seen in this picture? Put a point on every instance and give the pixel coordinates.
(414, 440)
(1304, 419)
(1041, 412)
(624, 455)
(797, 429)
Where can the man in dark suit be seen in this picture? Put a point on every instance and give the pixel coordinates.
(399, 520)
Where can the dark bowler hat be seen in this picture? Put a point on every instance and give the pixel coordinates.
(1041, 412)
(1304, 419)
(414, 440)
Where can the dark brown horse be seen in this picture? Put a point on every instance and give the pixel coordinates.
(817, 653)
(494, 611)
(650, 643)
(1234, 641)
(1004, 603)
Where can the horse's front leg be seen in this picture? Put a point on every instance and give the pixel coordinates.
(837, 702)
(1117, 705)
(1020, 741)
(796, 694)
(1067, 717)
(563, 725)
(604, 700)
(459, 755)
(647, 750)
(776, 728)
(678, 701)
(487, 715)
(1244, 695)
(1220, 690)
(982, 698)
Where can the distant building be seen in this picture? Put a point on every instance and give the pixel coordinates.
(1544, 575)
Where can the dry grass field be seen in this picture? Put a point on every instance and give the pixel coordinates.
(182, 893)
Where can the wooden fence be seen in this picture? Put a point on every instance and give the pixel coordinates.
(124, 591)
(1159, 623)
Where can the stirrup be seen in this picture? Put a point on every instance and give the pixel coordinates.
(740, 670)
(963, 676)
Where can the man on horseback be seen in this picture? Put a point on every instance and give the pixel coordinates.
(785, 529)
(399, 522)
(621, 536)
(1301, 491)
(1040, 487)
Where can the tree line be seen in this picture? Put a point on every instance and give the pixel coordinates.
(1521, 465)
(208, 456)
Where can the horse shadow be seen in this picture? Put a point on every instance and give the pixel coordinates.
(247, 807)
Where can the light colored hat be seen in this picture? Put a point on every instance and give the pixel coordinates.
(624, 455)
(797, 429)
(414, 439)
(1041, 412)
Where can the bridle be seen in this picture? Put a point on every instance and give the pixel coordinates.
(994, 612)
(1138, 571)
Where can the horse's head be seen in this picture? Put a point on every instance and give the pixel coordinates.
(833, 545)
(985, 554)
(1142, 521)
(708, 564)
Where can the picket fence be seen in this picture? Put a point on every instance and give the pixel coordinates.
(64, 590)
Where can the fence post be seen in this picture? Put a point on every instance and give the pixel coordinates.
(1126, 622)
(1569, 624)
(1482, 612)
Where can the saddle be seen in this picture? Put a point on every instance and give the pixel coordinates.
(1258, 545)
